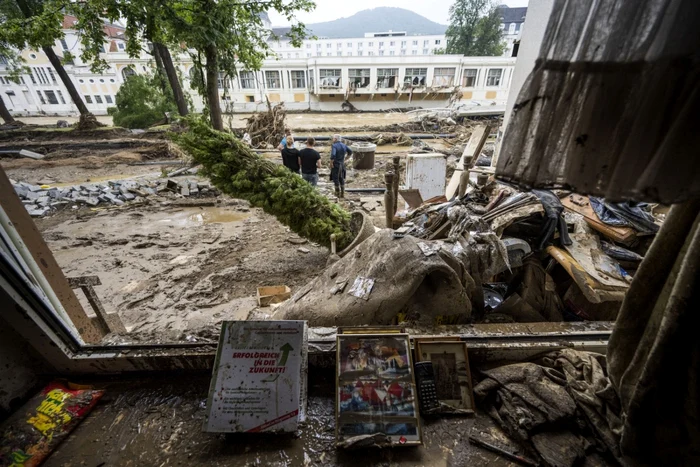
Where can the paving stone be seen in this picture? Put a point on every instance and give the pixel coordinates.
(38, 212)
(34, 195)
(21, 190)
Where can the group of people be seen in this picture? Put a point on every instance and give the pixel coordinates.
(307, 161)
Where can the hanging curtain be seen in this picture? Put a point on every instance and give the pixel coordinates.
(654, 351)
(612, 107)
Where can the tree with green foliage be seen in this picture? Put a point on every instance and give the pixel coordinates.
(475, 29)
(225, 35)
(141, 102)
(37, 24)
(146, 21)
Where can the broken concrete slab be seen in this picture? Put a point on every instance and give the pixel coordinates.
(39, 212)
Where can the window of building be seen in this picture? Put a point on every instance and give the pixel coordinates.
(330, 78)
(425, 43)
(250, 98)
(308, 46)
(403, 51)
(60, 97)
(329, 45)
(493, 78)
(32, 56)
(391, 52)
(511, 28)
(381, 52)
(102, 80)
(359, 53)
(359, 45)
(437, 41)
(53, 77)
(126, 72)
(51, 97)
(444, 76)
(247, 79)
(272, 79)
(415, 76)
(370, 53)
(121, 46)
(296, 55)
(2, 81)
(415, 43)
(91, 80)
(386, 77)
(31, 76)
(111, 80)
(39, 76)
(21, 80)
(381, 44)
(223, 81)
(64, 45)
(425, 51)
(359, 77)
(311, 80)
(403, 43)
(108, 99)
(370, 44)
(41, 97)
(339, 53)
(329, 54)
(414, 52)
(350, 45)
(392, 43)
(298, 80)
(308, 54)
(340, 45)
(88, 99)
(469, 78)
(318, 46)
(98, 99)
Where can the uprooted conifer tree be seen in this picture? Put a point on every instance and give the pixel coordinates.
(238, 171)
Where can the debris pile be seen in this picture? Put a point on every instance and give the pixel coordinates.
(42, 200)
(267, 128)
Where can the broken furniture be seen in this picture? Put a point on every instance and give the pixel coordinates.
(108, 322)
(268, 295)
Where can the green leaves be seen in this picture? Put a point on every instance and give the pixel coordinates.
(239, 172)
(474, 29)
(140, 103)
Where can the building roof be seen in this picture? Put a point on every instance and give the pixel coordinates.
(112, 31)
(279, 32)
(512, 15)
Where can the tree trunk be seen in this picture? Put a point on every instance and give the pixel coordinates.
(171, 73)
(160, 71)
(5, 114)
(213, 87)
(67, 82)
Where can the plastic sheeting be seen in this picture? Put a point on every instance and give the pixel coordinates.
(612, 106)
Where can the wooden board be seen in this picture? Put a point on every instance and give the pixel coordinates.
(471, 150)
(581, 205)
(412, 197)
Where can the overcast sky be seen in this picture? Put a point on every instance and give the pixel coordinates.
(328, 10)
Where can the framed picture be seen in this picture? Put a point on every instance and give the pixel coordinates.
(375, 388)
(453, 382)
(370, 330)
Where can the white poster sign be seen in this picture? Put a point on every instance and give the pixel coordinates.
(256, 381)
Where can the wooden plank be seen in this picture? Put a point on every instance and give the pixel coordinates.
(412, 197)
(469, 155)
(581, 205)
(43, 257)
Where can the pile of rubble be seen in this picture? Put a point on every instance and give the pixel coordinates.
(42, 200)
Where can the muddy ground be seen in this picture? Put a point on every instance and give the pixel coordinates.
(173, 267)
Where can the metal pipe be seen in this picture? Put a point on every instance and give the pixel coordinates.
(369, 137)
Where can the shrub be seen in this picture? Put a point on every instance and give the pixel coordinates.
(140, 103)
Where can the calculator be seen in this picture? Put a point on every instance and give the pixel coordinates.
(425, 382)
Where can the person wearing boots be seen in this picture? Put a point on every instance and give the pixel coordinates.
(338, 153)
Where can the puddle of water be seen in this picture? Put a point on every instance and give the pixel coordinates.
(202, 216)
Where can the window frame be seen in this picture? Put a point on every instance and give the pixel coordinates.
(466, 75)
(51, 97)
(359, 75)
(494, 81)
(269, 76)
(294, 79)
(330, 73)
(247, 82)
(413, 73)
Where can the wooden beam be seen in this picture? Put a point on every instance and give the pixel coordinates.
(469, 155)
(30, 235)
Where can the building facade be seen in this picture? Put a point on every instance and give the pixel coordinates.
(396, 78)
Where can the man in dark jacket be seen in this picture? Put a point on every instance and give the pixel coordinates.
(310, 161)
(338, 153)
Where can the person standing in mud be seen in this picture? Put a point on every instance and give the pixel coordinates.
(283, 143)
(310, 161)
(338, 152)
(290, 155)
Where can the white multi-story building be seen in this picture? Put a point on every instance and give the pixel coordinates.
(380, 44)
(370, 82)
(512, 21)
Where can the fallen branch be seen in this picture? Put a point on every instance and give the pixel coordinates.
(236, 170)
